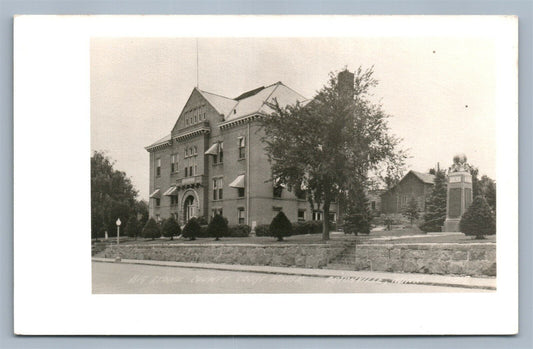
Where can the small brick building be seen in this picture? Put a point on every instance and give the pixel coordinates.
(413, 185)
(213, 161)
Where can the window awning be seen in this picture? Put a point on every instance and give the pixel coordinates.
(156, 194)
(171, 191)
(238, 182)
(213, 150)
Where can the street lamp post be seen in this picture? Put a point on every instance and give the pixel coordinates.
(118, 222)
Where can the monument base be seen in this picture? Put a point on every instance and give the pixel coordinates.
(451, 225)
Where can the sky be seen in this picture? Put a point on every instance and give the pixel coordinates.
(440, 92)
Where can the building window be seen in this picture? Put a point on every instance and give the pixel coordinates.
(333, 217)
(157, 202)
(373, 204)
(300, 194)
(191, 161)
(174, 200)
(158, 167)
(242, 147)
(157, 218)
(241, 215)
(221, 152)
(301, 215)
(277, 191)
(317, 216)
(218, 186)
(174, 163)
(240, 192)
(216, 211)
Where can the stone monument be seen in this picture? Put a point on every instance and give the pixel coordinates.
(459, 195)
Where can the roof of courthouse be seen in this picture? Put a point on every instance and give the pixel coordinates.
(248, 103)
(254, 101)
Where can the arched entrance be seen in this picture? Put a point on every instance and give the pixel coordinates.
(189, 208)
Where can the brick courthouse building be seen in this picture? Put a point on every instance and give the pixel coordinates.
(213, 161)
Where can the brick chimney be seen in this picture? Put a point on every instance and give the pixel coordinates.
(345, 83)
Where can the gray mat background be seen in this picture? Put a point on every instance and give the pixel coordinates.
(8, 8)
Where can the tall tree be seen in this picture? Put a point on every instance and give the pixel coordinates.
(487, 189)
(331, 143)
(436, 204)
(474, 171)
(112, 196)
(141, 209)
(357, 215)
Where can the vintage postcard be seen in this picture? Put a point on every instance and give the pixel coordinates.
(254, 174)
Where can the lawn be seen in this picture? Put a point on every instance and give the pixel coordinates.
(395, 236)
(335, 237)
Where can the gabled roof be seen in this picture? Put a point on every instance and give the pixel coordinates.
(161, 141)
(223, 105)
(248, 103)
(257, 102)
(424, 177)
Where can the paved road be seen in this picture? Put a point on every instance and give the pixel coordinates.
(134, 278)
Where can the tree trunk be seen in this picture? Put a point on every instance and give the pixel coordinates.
(325, 220)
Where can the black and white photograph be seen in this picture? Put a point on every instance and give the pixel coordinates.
(365, 162)
(293, 165)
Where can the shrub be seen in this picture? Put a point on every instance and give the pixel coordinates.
(151, 230)
(204, 233)
(218, 227)
(411, 211)
(239, 231)
(171, 228)
(356, 223)
(192, 229)
(262, 230)
(307, 227)
(478, 220)
(201, 220)
(280, 226)
(132, 228)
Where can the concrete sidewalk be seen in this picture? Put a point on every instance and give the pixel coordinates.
(399, 278)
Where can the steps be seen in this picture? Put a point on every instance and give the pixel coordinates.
(346, 259)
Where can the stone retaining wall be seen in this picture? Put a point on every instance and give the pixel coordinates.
(474, 259)
(306, 256)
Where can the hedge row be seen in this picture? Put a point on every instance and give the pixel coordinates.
(234, 231)
(298, 228)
